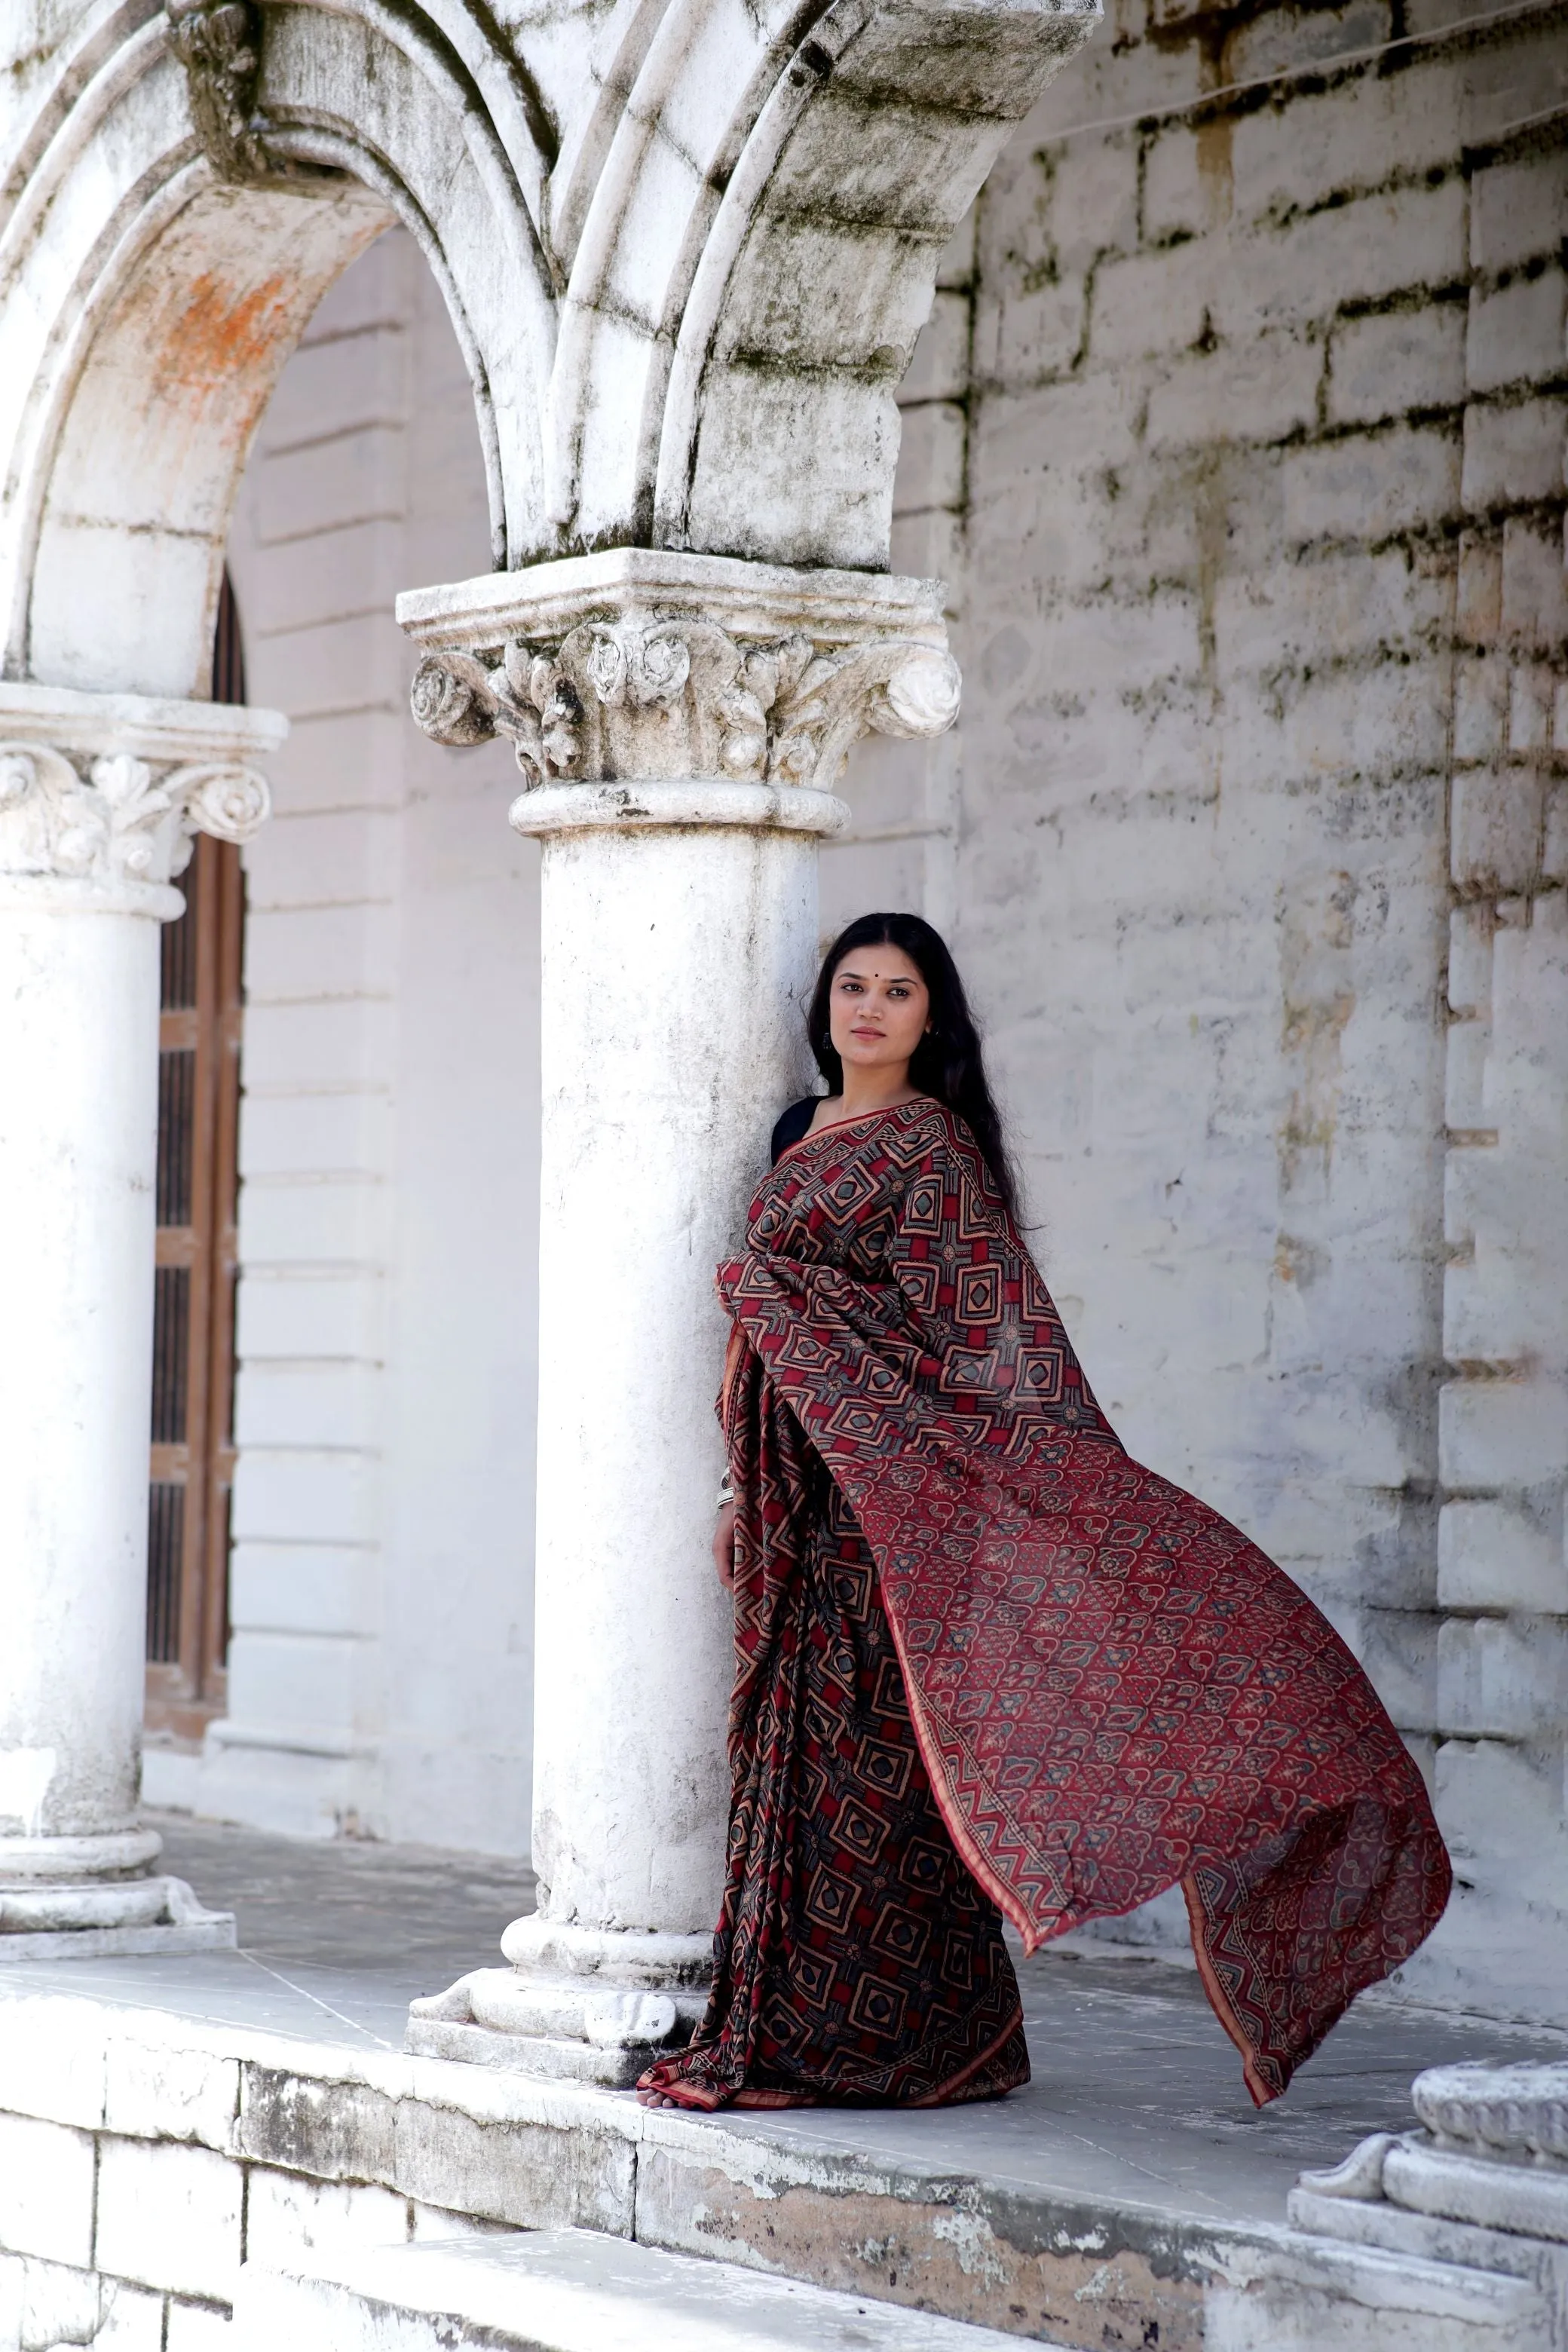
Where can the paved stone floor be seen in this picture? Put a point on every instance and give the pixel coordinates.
(1137, 2096)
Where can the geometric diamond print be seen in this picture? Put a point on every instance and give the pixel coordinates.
(1101, 1688)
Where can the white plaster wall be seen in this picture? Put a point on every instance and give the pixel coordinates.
(458, 1624)
(380, 1670)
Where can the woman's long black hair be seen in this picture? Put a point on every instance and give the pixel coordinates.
(948, 1064)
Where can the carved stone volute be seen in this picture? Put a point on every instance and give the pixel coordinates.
(101, 796)
(652, 692)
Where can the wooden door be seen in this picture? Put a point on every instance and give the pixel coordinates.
(193, 1326)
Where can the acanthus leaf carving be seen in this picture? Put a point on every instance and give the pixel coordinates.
(639, 699)
(138, 813)
(126, 823)
(458, 701)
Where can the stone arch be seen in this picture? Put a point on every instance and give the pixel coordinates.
(176, 204)
(686, 254)
(751, 220)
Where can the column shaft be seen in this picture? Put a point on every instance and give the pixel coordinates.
(78, 1112)
(680, 722)
(675, 963)
(99, 797)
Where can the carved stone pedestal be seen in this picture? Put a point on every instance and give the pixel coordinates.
(680, 722)
(100, 796)
(583, 2006)
(1449, 2238)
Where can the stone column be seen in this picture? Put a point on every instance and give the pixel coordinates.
(100, 796)
(680, 722)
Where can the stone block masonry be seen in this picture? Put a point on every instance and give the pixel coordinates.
(192, 2149)
(1262, 835)
(134, 2223)
(272, 2152)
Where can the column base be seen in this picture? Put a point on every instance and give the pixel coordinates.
(102, 1921)
(582, 2005)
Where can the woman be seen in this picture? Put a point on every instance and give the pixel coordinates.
(986, 1664)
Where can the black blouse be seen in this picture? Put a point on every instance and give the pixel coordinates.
(793, 1125)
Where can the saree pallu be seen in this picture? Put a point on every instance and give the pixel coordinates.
(975, 1638)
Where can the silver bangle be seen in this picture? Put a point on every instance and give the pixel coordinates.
(726, 1494)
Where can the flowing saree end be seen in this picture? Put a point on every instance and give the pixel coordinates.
(1261, 2092)
(1109, 1688)
(1288, 1935)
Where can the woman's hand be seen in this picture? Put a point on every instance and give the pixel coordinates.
(724, 1547)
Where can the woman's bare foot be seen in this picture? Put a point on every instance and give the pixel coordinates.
(656, 2099)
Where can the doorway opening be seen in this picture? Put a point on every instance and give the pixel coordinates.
(191, 1465)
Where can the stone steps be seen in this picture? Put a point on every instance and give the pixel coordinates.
(156, 2158)
(1315, 2294)
(569, 2291)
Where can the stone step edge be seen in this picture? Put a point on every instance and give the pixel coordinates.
(41, 2030)
(1382, 2279)
(511, 2054)
(572, 2290)
(700, 2187)
(213, 1934)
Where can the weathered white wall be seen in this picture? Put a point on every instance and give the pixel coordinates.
(901, 847)
(381, 1664)
(1265, 639)
(1241, 446)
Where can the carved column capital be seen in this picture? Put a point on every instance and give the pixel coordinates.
(101, 795)
(639, 666)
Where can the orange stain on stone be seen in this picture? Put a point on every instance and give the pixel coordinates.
(218, 334)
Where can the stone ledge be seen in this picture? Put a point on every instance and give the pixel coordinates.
(753, 600)
(922, 2225)
(569, 2291)
(216, 1933)
(1317, 2295)
(527, 2152)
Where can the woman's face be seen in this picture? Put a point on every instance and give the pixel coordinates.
(879, 1008)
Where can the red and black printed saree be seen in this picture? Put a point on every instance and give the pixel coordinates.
(988, 1664)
